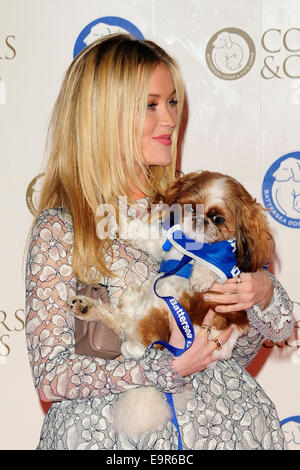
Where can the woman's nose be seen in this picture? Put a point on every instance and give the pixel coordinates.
(169, 117)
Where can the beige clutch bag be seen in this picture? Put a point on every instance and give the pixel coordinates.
(93, 338)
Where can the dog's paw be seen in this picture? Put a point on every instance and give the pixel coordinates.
(202, 278)
(131, 350)
(84, 308)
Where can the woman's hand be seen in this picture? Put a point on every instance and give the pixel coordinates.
(233, 296)
(199, 355)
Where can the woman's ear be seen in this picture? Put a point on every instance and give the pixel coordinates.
(254, 242)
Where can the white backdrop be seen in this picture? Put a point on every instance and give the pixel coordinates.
(243, 117)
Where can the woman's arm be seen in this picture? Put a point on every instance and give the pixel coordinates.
(254, 288)
(199, 355)
(275, 323)
(58, 372)
(269, 309)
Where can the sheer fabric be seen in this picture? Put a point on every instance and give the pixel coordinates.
(228, 410)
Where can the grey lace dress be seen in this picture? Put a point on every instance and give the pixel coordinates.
(228, 409)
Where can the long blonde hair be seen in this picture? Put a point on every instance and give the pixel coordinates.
(95, 143)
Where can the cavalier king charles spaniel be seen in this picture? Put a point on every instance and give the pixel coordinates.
(142, 317)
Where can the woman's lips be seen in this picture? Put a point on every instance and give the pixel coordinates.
(164, 139)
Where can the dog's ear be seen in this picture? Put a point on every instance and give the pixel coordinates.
(184, 187)
(174, 189)
(254, 242)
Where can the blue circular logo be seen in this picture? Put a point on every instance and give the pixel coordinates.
(103, 27)
(281, 190)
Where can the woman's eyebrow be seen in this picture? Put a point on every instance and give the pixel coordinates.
(158, 96)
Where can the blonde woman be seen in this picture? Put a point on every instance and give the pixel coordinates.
(114, 133)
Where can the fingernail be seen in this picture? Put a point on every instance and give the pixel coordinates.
(207, 297)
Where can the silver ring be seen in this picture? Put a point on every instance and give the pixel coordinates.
(206, 327)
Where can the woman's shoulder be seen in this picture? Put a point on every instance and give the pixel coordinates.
(55, 215)
(58, 219)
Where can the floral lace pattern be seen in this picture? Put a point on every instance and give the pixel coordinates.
(274, 327)
(232, 412)
(58, 372)
(83, 389)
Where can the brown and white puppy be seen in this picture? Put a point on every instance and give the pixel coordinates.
(142, 318)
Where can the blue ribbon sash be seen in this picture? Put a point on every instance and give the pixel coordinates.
(182, 319)
(217, 256)
(209, 254)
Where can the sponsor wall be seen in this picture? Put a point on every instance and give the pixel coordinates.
(241, 65)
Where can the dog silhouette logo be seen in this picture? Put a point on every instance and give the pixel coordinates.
(281, 190)
(230, 53)
(103, 27)
(291, 430)
(33, 193)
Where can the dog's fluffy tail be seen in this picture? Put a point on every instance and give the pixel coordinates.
(141, 410)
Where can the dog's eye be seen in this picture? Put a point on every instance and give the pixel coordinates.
(218, 219)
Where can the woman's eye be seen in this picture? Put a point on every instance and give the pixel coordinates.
(173, 102)
(151, 106)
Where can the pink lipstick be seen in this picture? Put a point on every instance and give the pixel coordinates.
(165, 139)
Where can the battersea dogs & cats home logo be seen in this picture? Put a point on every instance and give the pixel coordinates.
(230, 53)
(281, 190)
(291, 429)
(103, 27)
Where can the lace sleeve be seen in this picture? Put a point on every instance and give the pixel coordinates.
(274, 323)
(58, 372)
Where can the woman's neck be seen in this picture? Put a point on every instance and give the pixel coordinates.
(137, 193)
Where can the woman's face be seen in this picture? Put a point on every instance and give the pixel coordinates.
(161, 118)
